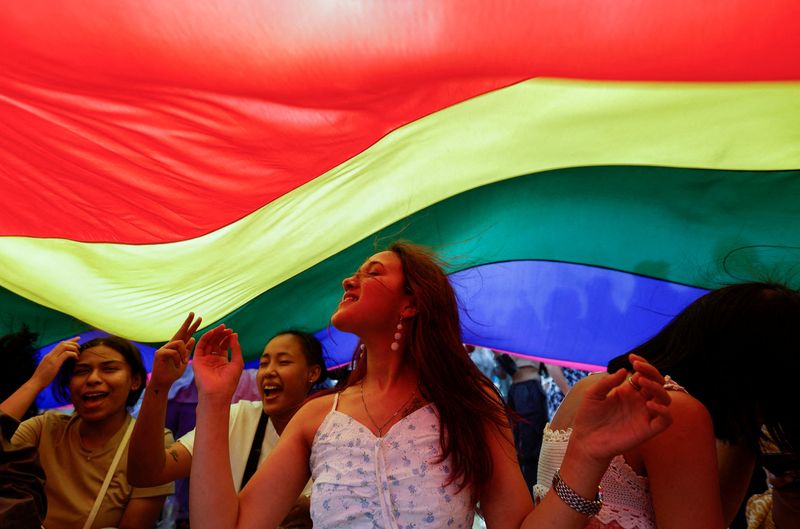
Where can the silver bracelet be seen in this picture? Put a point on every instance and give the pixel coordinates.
(575, 501)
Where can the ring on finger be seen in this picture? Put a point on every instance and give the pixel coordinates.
(636, 386)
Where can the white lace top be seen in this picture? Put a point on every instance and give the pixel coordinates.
(626, 495)
(390, 482)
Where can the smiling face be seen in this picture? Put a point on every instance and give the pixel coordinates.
(100, 383)
(374, 297)
(284, 376)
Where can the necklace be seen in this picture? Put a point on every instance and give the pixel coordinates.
(401, 408)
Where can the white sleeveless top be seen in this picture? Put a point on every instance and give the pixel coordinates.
(390, 482)
(626, 495)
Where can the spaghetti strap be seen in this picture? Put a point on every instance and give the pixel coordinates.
(335, 402)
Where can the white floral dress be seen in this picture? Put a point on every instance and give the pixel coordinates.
(389, 482)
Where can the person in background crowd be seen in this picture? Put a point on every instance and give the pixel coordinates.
(22, 498)
(19, 354)
(556, 382)
(527, 399)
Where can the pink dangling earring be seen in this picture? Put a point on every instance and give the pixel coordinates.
(397, 336)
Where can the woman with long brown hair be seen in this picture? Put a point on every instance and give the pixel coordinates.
(418, 435)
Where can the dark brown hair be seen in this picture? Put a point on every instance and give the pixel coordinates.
(128, 351)
(312, 350)
(712, 348)
(467, 402)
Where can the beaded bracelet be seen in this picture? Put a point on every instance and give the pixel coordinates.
(574, 500)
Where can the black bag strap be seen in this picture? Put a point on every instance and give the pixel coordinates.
(255, 450)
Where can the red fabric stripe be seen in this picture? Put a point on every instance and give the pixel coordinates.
(146, 122)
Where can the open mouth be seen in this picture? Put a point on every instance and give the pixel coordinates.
(271, 391)
(94, 398)
(349, 298)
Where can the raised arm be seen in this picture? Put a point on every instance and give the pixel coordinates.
(148, 463)
(277, 483)
(18, 403)
(614, 417)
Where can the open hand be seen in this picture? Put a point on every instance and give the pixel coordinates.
(50, 363)
(620, 412)
(170, 361)
(214, 373)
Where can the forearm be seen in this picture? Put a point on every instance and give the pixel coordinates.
(212, 497)
(18, 403)
(142, 512)
(146, 456)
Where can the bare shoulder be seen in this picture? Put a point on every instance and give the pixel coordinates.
(309, 417)
(691, 422)
(688, 413)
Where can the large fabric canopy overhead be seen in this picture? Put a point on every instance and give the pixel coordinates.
(586, 168)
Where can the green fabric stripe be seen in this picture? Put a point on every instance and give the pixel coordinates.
(679, 229)
(672, 224)
(143, 291)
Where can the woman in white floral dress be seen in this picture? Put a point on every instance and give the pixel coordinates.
(418, 435)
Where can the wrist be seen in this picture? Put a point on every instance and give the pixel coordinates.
(581, 470)
(214, 400)
(579, 450)
(575, 501)
(158, 389)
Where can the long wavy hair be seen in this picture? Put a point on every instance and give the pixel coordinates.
(736, 350)
(467, 402)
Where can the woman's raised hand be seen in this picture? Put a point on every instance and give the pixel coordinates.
(50, 363)
(622, 411)
(215, 374)
(170, 361)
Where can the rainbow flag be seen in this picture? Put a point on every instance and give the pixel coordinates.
(586, 168)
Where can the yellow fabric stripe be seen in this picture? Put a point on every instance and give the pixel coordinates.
(142, 292)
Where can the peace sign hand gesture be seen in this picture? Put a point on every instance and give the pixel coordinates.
(170, 361)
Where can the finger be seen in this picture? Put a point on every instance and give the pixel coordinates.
(236, 350)
(601, 389)
(205, 346)
(68, 355)
(181, 332)
(652, 390)
(196, 325)
(645, 368)
(71, 344)
(661, 417)
(221, 339)
(186, 352)
(169, 353)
